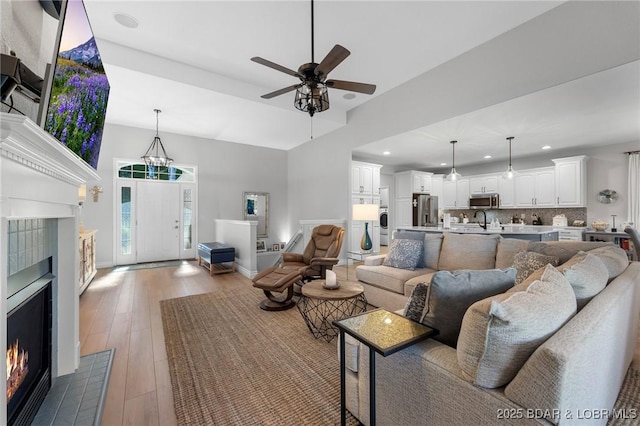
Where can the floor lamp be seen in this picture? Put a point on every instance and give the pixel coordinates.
(366, 213)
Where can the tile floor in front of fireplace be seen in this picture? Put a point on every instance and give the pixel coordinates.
(78, 398)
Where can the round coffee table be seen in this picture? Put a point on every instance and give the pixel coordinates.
(320, 306)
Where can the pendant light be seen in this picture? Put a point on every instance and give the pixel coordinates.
(453, 176)
(509, 173)
(153, 155)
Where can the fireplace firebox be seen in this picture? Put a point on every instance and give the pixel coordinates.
(29, 348)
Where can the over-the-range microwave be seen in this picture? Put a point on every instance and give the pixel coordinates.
(484, 201)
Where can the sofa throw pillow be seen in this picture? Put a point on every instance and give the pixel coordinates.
(413, 235)
(507, 249)
(587, 275)
(432, 246)
(500, 333)
(467, 251)
(404, 254)
(414, 308)
(614, 258)
(450, 294)
(527, 262)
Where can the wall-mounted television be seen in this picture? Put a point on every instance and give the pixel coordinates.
(74, 101)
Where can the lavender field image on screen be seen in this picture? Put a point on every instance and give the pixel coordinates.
(77, 110)
(80, 89)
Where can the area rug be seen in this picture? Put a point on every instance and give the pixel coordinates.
(232, 363)
(626, 411)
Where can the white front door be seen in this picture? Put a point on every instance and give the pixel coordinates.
(158, 221)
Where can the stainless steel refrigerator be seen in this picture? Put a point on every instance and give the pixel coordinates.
(425, 210)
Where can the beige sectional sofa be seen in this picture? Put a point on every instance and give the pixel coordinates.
(388, 287)
(569, 372)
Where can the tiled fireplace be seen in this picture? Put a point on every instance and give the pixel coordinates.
(39, 181)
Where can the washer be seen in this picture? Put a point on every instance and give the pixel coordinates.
(384, 226)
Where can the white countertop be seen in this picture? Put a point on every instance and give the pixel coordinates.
(474, 228)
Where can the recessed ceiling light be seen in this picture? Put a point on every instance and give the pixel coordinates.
(386, 153)
(487, 156)
(125, 20)
(546, 147)
(443, 164)
(349, 96)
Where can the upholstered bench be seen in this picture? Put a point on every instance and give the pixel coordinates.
(215, 255)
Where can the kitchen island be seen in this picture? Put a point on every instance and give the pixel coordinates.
(522, 232)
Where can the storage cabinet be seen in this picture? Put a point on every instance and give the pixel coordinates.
(421, 182)
(361, 179)
(535, 188)
(571, 181)
(406, 184)
(455, 195)
(412, 181)
(506, 189)
(483, 184)
(87, 249)
(462, 194)
(365, 189)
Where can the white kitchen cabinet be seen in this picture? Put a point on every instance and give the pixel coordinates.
(365, 189)
(449, 195)
(569, 234)
(506, 191)
(535, 188)
(436, 188)
(412, 181)
(421, 182)
(462, 194)
(455, 195)
(361, 179)
(571, 181)
(404, 212)
(486, 184)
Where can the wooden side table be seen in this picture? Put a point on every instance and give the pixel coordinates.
(320, 307)
(383, 332)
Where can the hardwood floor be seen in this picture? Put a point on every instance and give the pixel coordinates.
(120, 309)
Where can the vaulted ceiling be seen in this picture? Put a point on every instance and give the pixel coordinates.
(191, 59)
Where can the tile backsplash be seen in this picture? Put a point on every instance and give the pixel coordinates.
(29, 242)
(506, 215)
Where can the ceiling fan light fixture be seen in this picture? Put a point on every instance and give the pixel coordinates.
(312, 99)
(510, 173)
(156, 154)
(453, 176)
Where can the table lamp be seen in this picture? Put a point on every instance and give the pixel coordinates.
(366, 212)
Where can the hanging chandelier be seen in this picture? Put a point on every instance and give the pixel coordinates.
(156, 155)
(453, 176)
(509, 173)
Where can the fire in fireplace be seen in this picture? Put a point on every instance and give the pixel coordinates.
(17, 368)
(28, 349)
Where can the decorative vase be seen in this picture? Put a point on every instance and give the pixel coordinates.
(365, 243)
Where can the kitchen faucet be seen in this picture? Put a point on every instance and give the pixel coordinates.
(485, 218)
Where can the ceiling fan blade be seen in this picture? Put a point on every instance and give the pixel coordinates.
(275, 66)
(352, 86)
(280, 92)
(332, 60)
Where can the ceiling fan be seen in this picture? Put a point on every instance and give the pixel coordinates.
(312, 91)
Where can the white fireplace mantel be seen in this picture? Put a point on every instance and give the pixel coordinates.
(39, 178)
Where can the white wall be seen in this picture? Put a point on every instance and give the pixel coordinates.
(225, 171)
(516, 63)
